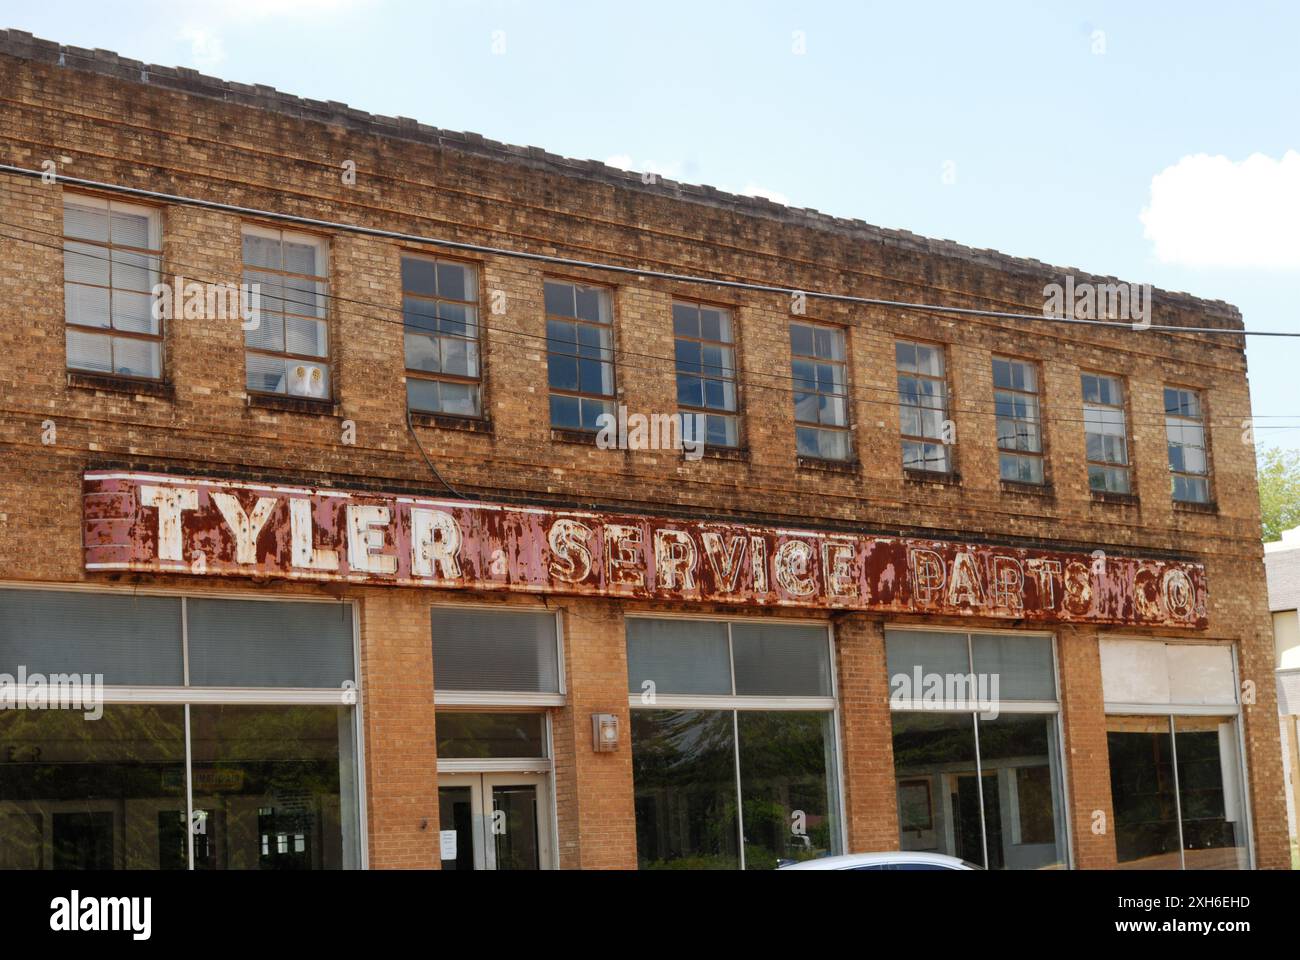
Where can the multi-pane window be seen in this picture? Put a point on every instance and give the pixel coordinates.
(706, 373)
(111, 262)
(1020, 436)
(978, 768)
(1185, 431)
(579, 354)
(440, 312)
(923, 407)
(821, 386)
(287, 342)
(1105, 433)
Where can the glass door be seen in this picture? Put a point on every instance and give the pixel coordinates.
(494, 821)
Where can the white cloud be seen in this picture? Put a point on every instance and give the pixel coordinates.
(1214, 212)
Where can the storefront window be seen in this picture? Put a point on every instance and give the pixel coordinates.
(466, 736)
(714, 760)
(977, 759)
(97, 782)
(1175, 764)
(1176, 793)
(105, 794)
(271, 788)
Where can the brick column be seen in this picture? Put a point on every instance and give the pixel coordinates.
(870, 795)
(596, 818)
(1083, 713)
(401, 746)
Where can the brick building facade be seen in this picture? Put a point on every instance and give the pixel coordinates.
(195, 420)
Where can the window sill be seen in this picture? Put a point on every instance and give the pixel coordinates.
(1119, 499)
(932, 477)
(443, 421)
(1032, 489)
(110, 384)
(307, 405)
(561, 435)
(828, 466)
(738, 454)
(1210, 508)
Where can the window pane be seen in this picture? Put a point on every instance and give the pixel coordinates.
(684, 778)
(261, 643)
(89, 351)
(491, 650)
(130, 640)
(677, 657)
(137, 358)
(490, 735)
(106, 794)
(939, 653)
(1023, 665)
(1024, 813)
(276, 787)
(938, 797)
(86, 306)
(1209, 794)
(787, 777)
(781, 661)
(1142, 792)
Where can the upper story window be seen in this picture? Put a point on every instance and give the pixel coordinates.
(440, 312)
(923, 407)
(579, 353)
(1185, 431)
(821, 386)
(111, 261)
(287, 347)
(706, 372)
(1020, 437)
(1105, 433)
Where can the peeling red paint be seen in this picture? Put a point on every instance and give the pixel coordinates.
(165, 524)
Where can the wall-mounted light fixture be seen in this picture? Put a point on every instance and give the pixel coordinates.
(604, 732)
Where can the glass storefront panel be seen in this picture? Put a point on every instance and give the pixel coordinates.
(275, 787)
(684, 773)
(478, 736)
(787, 782)
(1024, 816)
(1142, 792)
(678, 657)
(1209, 794)
(95, 794)
(936, 776)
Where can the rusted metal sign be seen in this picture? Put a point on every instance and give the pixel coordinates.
(166, 524)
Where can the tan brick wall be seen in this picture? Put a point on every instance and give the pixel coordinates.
(118, 130)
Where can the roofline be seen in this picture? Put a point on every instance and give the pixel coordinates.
(21, 45)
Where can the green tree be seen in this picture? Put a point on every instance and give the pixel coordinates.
(1279, 491)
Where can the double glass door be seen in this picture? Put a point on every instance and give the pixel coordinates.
(494, 821)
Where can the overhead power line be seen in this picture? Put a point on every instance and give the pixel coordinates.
(556, 259)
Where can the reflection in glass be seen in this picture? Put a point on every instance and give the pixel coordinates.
(456, 814)
(490, 735)
(1142, 792)
(787, 769)
(273, 787)
(683, 768)
(1209, 794)
(1022, 808)
(92, 794)
(515, 827)
(934, 766)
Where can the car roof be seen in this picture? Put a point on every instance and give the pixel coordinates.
(851, 860)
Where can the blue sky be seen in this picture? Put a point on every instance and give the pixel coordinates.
(1038, 129)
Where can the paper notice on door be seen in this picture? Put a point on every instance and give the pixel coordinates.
(447, 841)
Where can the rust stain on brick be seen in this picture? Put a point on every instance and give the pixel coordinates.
(218, 528)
